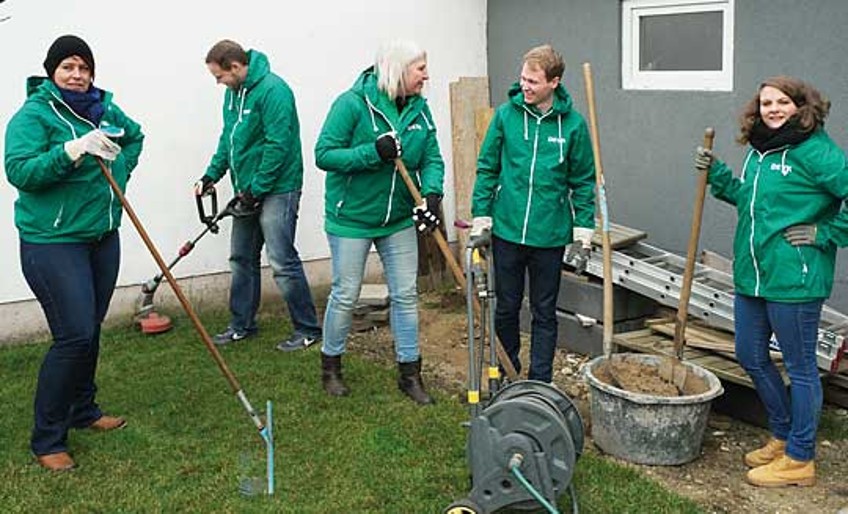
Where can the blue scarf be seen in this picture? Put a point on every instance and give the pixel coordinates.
(89, 105)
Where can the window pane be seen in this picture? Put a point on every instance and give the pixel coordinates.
(681, 42)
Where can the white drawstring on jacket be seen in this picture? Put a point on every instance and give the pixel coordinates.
(525, 125)
(560, 140)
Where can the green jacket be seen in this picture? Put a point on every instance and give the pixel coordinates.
(791, 185)
(260, 142)
(58, 201)
(536, 172)
(364, 196)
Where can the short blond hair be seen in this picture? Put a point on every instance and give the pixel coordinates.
(546, 58)
(393, 57)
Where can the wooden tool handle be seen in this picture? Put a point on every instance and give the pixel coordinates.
(603, 208)
(691, 252)
(458, 275)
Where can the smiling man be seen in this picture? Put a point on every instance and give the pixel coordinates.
(535, 192)
(260, 147)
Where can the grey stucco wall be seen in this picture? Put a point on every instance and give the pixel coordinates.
(648, 137)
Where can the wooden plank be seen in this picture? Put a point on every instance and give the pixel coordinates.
(467, 95)
(703, 338)
(656, 343)
(620, 235)
(717, 261)
(482, 118)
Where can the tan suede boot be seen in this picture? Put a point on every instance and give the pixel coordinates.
(60, 461)
(773, 449)
(783, 471)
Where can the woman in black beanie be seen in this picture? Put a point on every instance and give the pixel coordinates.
(67, 219)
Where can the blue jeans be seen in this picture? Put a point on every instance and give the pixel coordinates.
(793, 417)
(274, 227)
(399, 255)
(73, 282)
(544, 266)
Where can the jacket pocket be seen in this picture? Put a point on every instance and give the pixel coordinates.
(802, 264)
(57, 220)
(339, 202)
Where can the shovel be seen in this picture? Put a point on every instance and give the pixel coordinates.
(672, 369)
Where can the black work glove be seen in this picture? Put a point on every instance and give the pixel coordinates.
(204, 186)
(247, 205)
(800, 235)
(578, 255)
(426, 215)
(388, 146)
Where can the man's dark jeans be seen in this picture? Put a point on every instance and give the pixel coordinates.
(73, 282)
(543, 266)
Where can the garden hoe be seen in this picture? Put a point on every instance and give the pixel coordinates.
(147, 319)
(265, 428)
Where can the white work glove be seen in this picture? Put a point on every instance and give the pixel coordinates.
(581, 249)
(801, 235)
(479, 225)
(703, 159)
(94, 143)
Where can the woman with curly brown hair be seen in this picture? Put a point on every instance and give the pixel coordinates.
(790, 221)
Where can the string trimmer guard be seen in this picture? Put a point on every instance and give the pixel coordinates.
(154, 323)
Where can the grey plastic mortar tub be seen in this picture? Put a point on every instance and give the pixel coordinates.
(648, 429)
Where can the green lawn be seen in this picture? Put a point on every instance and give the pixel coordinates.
(189, 441)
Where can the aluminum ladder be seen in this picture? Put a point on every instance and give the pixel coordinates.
(658, 274)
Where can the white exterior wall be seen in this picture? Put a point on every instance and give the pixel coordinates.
(151, 55)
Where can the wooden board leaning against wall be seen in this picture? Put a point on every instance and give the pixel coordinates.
(470, 116)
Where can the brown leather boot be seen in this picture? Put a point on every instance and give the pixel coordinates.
(60, 461)
(410, 382)
(106, 423)
(783, 471)
(773, 449)
(331, 375)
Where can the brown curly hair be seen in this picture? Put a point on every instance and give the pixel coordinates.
(813, 107)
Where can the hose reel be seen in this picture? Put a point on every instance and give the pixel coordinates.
(524, 443)
(529, 427)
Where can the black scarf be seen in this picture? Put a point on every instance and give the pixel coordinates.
(400, 103)
(89, 105)
(790, 133)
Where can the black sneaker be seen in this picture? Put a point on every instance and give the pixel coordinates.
(297, 342)
(231, 335)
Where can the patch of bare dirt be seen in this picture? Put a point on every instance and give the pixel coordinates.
(715, 480)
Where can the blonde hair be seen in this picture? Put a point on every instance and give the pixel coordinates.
(547, 59)
(393, 58)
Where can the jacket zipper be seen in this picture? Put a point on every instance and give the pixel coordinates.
(233, 134)
(374, 108)
(58, 220)
(804, 267)
(532, 173)
(753, 219)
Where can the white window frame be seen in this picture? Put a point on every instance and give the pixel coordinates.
(634, 78)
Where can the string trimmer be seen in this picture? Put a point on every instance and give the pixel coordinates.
(264, 427)
(146, 317)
